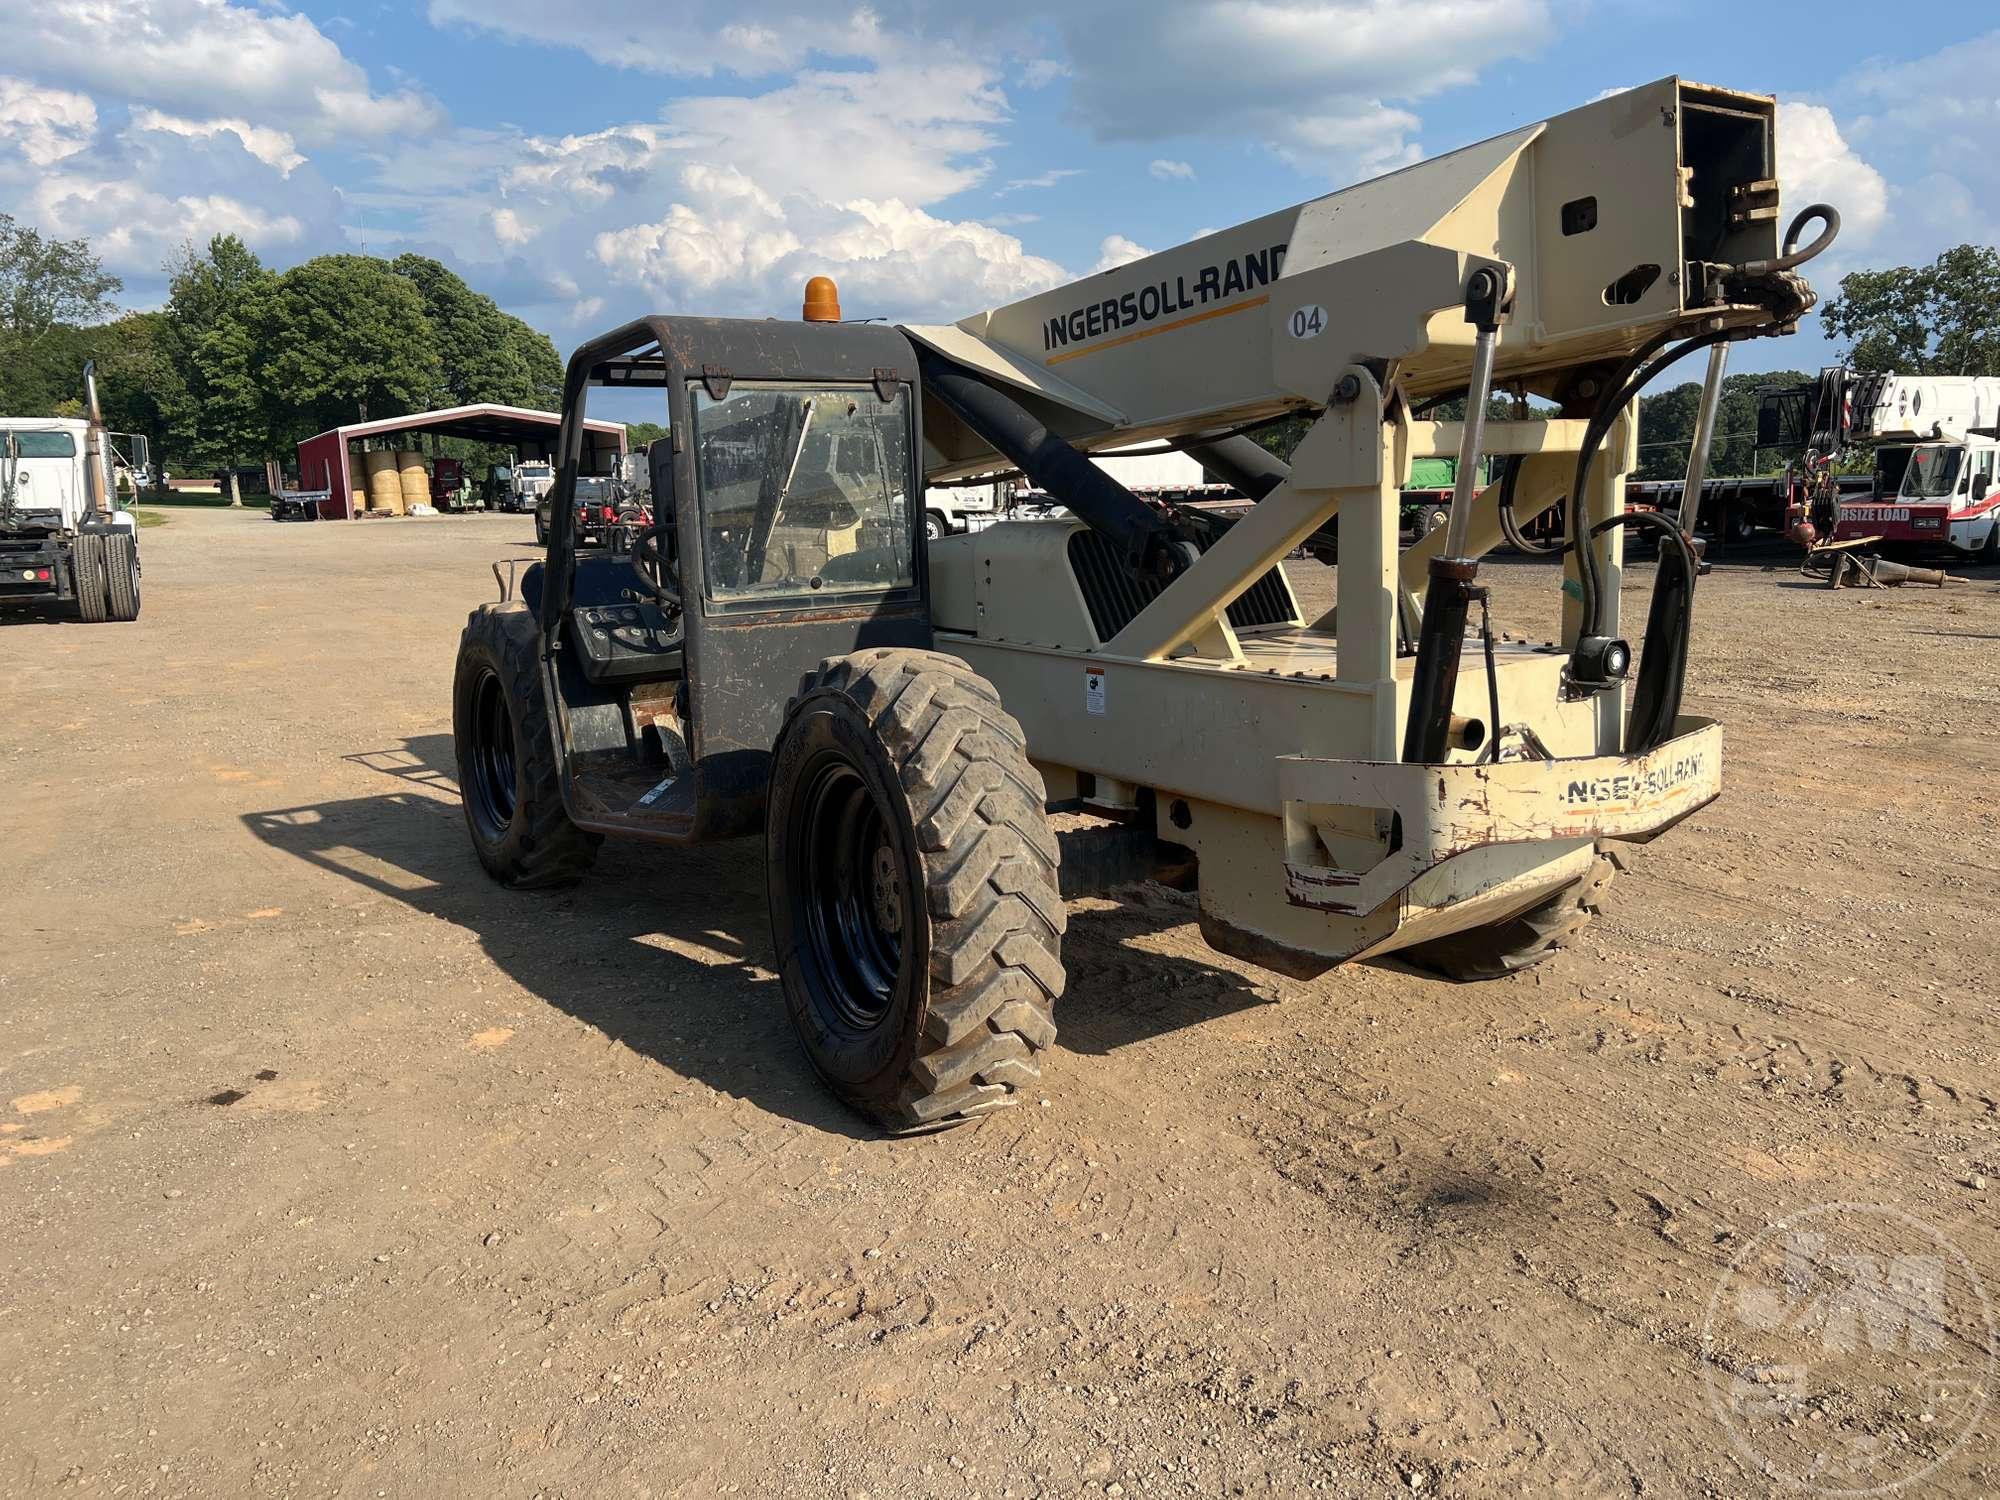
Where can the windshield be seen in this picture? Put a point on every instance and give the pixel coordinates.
(1927, 473)
(804, 489)
(44, 444)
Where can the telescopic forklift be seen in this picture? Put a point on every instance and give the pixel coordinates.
(783, 652)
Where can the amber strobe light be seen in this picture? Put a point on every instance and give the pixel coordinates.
(822, 300)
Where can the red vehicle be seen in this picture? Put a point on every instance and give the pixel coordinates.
(603, 511)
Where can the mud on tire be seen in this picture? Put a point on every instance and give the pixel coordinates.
(1520, 942)
(913, 888)
(507, 774)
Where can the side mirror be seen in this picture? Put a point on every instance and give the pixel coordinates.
(1980, 484)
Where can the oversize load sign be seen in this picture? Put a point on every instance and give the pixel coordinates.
(1156, 301)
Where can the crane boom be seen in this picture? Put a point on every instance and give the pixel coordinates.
(1650, 211)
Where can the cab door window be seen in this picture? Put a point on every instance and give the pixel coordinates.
(805, 491)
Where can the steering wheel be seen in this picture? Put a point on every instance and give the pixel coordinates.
(657, 577)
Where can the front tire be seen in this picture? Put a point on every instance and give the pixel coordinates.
(914, 901)
(508, 779)
(935, 529)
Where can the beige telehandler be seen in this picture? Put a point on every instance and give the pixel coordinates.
(780, 650)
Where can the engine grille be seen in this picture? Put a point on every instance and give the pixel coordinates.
(1115, 597)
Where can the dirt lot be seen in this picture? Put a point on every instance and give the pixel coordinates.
(326, 1167)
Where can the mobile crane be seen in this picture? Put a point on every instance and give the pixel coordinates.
(783, 652)
(1935, 481)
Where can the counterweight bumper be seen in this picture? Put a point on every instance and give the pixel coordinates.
(1438, 812)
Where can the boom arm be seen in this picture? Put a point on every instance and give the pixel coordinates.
(1643, 214)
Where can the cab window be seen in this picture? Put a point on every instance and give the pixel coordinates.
(804, 490)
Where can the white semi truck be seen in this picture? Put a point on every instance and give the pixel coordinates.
(1147, 473)
(63, 538)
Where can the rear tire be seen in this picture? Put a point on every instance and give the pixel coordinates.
(1431, 518)
(121, 574)
(914, 902)
(87, 573)
(1520, 942)
(508, 779)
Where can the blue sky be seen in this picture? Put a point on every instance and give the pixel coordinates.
(585, 162)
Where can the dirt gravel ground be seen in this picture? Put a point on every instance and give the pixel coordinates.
(328, 1168)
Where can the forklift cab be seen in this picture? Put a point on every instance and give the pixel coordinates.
(787, 526)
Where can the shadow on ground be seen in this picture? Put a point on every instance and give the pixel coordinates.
(668, 950)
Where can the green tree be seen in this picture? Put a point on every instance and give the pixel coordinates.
(325, 343)
(1666, 428)
(50, 290)
(484, 354)
(1940, 319)
(47, 283)
(136, 380)
(207, 292)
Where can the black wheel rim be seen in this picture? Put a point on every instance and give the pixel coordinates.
(490, 790)
(847, 883)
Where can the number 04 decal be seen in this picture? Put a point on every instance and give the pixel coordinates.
(1307, 322)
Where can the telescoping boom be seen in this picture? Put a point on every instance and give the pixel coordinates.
(779, 648)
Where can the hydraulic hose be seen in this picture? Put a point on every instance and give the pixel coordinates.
(1634, 376)
(1510, 525)
(1245, 463)
(1656, 696)
(1793, 257)
(1143, 537)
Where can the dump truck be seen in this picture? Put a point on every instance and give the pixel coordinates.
(64, 540)
(783, 654)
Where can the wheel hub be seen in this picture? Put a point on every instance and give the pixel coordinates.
(885, 889)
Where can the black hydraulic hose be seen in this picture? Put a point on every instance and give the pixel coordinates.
(1510, 524)
(1246, 464)
(1792, 256)
(1656, 696)
(1143, 536)
(1590, 579)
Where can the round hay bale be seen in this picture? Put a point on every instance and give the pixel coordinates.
(385, 490)
(415, 479)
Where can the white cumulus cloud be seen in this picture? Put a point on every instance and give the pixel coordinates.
(1326, 83)
(198, 57)
(1171, 171)
(47, 125)
(1816, 165)
(1115, 250)
(727, 246)
(129, 224)
(276, 149)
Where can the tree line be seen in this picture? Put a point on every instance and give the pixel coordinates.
(244, 361)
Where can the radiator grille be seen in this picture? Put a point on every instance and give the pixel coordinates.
(1115, 597)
